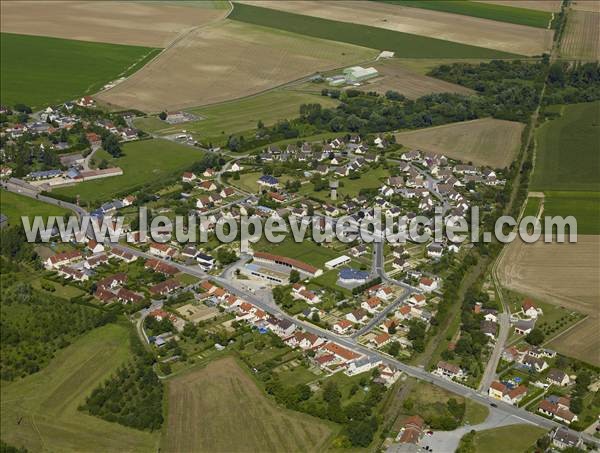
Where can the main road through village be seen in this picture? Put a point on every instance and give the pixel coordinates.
(499, 409)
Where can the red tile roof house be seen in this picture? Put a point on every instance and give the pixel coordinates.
(112, 281)
(125, 295)
(342, 327)
(412, 430)
(161, 267)
(162, 250)
(104, 295)
(449, 370)
(288, 262)
(381, 340)
(122, 254)
(371, 304)
(164, 288)
(427, 284)
(61, 259)
(529, 309)
(340, 352)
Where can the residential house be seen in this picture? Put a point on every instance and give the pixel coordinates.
(428, 284)
(449, 370)
(343, 326)
(371, 305)
(558, 377)
(411, 431)
(529, 309)
(357, 316)
(564, 438)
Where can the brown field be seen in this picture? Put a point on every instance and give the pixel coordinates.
(563, 274)
(581, 40)
(484, 142)
(228, 61)
(117, 22)
(586, 5)
(542, 5)
(451, 27)
(396, 76)
(220, 409)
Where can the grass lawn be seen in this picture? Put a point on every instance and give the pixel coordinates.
(371, 179)
(403, 44)
(512, 438)
(501, 13)
(40, 412)
(14, 206)
(143, 162)
(567, 156)
(64, 291)
(532, 208)
(220, 408)
(222, 120)
(187, 279)
(38, 71)
(584, 206)
(308, 251)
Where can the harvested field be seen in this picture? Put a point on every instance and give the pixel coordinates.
(518, 39)
(581, 40)
(542, 5)
(484, 142)
(586, 5)
(563, 274)
(397, 77)
(228, 61)
(117, 22)
(220, 409)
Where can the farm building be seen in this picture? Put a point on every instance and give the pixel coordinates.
(360, 74)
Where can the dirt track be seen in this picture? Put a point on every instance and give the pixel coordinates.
(451, 27)
(226, 61)
(563, 274)
(118, 22)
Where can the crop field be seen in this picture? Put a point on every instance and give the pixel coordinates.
(552, 6)
(562, 274)
(397, 77)
(585, 5)
(584, 206)
(38, 71)
(118, 22)
(240, 115)
(14, 206)
(507, 438)
(486, 141)
(504, 13)
(228, 61)
(40, 412)
(581, 40)
(219, 408)
(142, 162)
(409, 32)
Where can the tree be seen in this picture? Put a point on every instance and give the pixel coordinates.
(331, 392)
(535, 337)
(294, 276)
(394, 348)
(162, 115)
(110, 144)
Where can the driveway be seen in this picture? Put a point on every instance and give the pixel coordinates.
(447, 441)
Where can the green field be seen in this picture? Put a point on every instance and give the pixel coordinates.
(38, 71)
(241, 115)
(511, 438)
(142, 162)
(40, 412)
(308, 251)
(371, 179)
(14, 206)
(584, 206)
(532, 208)
(501, 13)
(567, 166)
(567, 156)
(403, 44)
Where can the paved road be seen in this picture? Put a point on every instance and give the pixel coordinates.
(270, 307)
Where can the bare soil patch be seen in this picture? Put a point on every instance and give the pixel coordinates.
(227, 61)
(484, 142)
(542, 5)
(117, 22)
(586, 5)
(220, 409)
(397, 77)
(563, 274)
(582, 36)
(450, 27)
